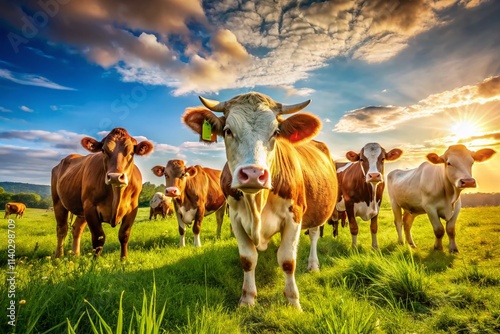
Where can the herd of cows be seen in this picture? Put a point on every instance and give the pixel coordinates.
(277, 179)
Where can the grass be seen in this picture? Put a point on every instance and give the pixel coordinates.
(162, 288)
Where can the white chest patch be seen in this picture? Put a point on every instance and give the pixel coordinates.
(187, 216)
(340, 205)
(365, 212)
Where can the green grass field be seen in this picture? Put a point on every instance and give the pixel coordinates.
(394, 290)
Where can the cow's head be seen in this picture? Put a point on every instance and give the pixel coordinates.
(371, 159)
(118, 149)
(252, 126)
(176, 174)
(458, 161)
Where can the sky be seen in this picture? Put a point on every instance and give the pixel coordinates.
(418, 75)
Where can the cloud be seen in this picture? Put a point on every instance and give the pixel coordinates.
(30, 80)
(382, 118)
(26, 109)
(3, 109)
(199, 47)
(60, 139)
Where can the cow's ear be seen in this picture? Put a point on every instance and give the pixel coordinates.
(434, 158)
(194, 118)
(300, 127)
(393, 154)
(352, 156)
(158, 170)
(143, 148)
(92, 145)
(483, 154)
(191, 171)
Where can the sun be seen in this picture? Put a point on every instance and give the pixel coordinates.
(466, 128)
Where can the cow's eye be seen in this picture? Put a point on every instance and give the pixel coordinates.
(228, 132)
(448, 163)
(276, 133)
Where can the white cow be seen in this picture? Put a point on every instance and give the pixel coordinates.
(433, 189)
(276, 180)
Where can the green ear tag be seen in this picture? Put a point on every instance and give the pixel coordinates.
(206, 131)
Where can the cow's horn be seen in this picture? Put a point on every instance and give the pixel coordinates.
(290, 109)
(213, 104)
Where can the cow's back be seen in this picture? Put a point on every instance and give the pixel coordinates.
(320, 182)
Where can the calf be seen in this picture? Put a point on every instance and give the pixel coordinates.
(276, 180)
(196, 193)
(433, 188)
(14, 208)
(361, 186)
(99, 187)
(160, 205)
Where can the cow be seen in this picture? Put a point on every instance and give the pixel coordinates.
(160, 205)
(196, 193)
(14, 208)
(361, 186)
(276, 180)
(434, 188)
(100, 187)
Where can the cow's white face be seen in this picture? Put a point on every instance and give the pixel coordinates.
(458, 161)
(372, 158)
(249, 136)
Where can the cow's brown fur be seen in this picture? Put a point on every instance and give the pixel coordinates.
(16, 208)
(79, 185)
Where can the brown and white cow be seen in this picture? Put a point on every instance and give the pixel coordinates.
(16, 208)
(276, 180)
(99, 187)
(160, 205)
(196, 193)
(433, 188)
(361, 186)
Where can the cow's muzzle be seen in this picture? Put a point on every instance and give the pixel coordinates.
(172, 192)
(373, 177)
(252, 178)
(467, 183)
(117, 179)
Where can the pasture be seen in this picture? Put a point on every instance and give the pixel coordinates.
(394, 290)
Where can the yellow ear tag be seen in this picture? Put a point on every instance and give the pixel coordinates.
(206, 131)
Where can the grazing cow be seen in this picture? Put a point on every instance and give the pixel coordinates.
(160, 205)
(361, 186)
(14, 208)
(196, 193)
(276, 180)
(433, 189)
(99, 187)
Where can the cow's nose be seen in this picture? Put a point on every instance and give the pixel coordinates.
(254, 177)
(373, 177)
(172, 192)
(117, 179)
(468, 183)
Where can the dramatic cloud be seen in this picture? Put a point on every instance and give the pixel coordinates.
(30, 80)
(195, 47)
(383, 118)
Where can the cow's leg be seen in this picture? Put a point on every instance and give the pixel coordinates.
(408, 219)
(151, 213)
(313, 263)
(248, 259)
(182, 229)
(95, 227)
(77, 230)
(334, 221)
(342, 216)
(198, 219)
(353, 225)
(398, 221)
(438, 229)
(450, 227)
(374, 229)
(287, 255)
(62, 227)
(219, 215)
(124, 232)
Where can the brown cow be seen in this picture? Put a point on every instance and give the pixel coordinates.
(276, 180)
(160, 205)
(196, 192)
(99, 187)
(14, 208)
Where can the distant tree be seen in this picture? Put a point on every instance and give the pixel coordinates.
(160, 188)
(4, 199)
(2, 190)
(148, 190)
(31, 200)
(45, 202)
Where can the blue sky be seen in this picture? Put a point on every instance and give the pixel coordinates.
(419, 75)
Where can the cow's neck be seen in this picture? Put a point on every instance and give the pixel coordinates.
(255, 204)
(117, 209)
